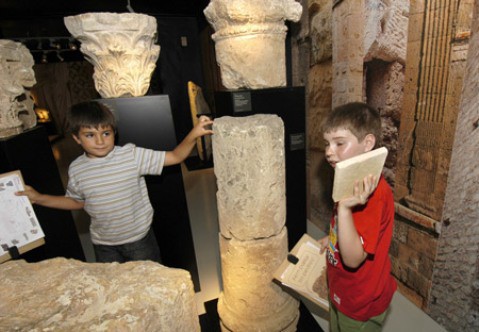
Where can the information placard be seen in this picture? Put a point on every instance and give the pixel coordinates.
(19, 226)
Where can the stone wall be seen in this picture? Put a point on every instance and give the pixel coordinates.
(435, 67)
(454, 300)
(417, 88)
(356, 53)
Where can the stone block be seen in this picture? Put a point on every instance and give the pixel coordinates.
(250, 301)
(69, 295)
(250, 172)
(423, 242)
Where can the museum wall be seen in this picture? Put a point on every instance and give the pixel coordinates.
(454, 300)
(407, 59)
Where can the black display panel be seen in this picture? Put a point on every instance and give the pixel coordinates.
(148, 122)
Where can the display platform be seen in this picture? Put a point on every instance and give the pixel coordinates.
(210, 321)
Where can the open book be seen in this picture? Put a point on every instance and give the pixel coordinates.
(304, 272)
(357, 168)
(19, 226)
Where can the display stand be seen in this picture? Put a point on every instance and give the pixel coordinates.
(31, 153)
(289, 104)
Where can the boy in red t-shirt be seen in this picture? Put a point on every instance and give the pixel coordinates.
(360, 283)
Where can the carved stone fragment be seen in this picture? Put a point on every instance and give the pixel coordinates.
(250, 301)
(250, 170)
(16, 105)
(249, 40)
(121, 48)
(250, 173)
(69, 295)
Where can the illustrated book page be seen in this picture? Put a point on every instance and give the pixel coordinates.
(356, 169)
(19, 226)
(304, 272)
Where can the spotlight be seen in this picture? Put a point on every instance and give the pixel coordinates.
(72, 45)
(44, 58)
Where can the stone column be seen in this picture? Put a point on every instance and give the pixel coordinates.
(250, 171)
(121, 49)
(348, 51)
(249, 40)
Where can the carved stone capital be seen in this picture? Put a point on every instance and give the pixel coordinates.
(121, 48)
(249, 38)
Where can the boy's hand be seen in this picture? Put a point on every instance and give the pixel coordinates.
(203, 127)
(360, 197)
(31, 193)
(323, 244)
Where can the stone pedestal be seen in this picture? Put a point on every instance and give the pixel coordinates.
(249, 167)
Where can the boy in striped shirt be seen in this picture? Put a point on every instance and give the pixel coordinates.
(107, 181)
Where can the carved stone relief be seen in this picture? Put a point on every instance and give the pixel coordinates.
(16, 105)
(252, 214)
(249, 40)
(121, 48)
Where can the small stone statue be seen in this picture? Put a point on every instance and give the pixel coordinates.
(16, 104)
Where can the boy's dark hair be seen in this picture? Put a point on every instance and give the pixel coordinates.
(90, 114)
(359, 118)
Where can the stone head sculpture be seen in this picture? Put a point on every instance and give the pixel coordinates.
(16, 105)
(122, 49)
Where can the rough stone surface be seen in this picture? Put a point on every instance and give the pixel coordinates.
(454, 300)
(386, 30)
(250, 172)
(122, 49)
(250, 301)
(249, 40)
(69, 295)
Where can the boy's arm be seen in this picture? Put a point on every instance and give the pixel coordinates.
(56, 202)
(183, 150)
(350, 244)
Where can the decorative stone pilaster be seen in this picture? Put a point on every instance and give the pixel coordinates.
(121, 48)
(16, 65)
(249, 40)
(250, 171)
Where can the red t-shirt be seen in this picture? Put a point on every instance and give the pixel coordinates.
(367, 291)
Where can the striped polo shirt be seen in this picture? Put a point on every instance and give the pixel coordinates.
(114, 192)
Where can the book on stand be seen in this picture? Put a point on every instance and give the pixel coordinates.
(304, 272)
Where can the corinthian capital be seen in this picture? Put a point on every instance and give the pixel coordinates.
(121, 48)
